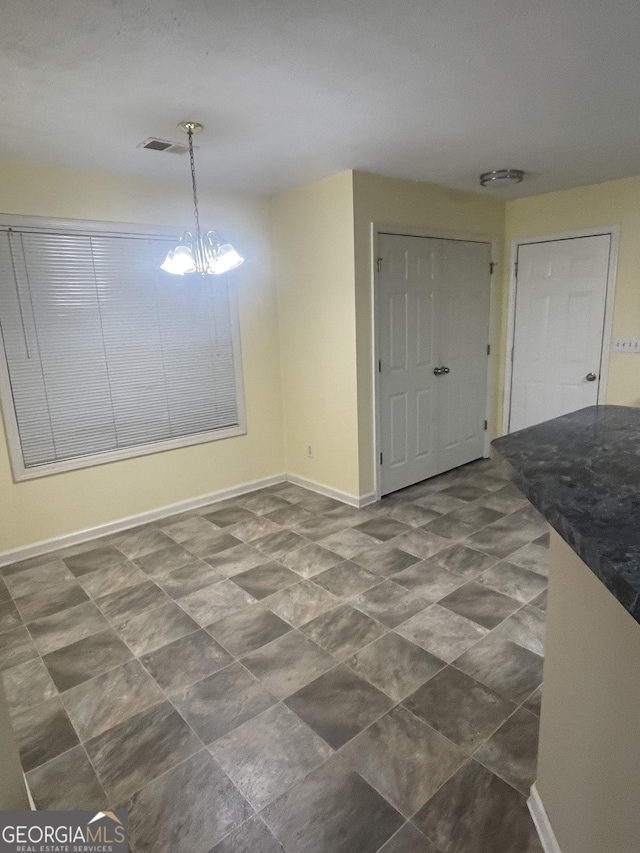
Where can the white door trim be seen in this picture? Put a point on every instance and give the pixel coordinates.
(378, 228)
(614, 232)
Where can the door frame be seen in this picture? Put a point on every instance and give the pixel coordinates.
(378, 228)
(605, 350)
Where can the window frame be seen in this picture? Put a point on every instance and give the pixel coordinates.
(100, 228)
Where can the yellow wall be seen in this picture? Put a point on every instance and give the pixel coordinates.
(38, 509)
(313, 240)
(389, 201)
(612, 203)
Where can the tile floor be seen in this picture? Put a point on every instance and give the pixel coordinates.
(281, 672)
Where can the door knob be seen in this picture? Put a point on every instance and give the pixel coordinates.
(445, 370)
(438, 370)
(591, 377)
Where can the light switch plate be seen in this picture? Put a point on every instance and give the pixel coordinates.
(626, 345)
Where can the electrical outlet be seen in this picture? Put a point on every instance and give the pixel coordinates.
(626, 345)
(310, 451)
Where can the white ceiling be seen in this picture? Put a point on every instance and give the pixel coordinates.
(293, 90)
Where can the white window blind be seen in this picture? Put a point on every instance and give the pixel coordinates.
(106, 353)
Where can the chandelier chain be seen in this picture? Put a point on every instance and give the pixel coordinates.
(193, 183)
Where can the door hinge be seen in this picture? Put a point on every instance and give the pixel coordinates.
(515, 269)
(488, 349)
(486, 424)
(379, 264)
(492, 266)
(379, 366)
(381, 458)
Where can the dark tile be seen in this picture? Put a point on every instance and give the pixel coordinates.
(383, 527)
(332, 811)
(512, 752)
(69, 626)
(508, 533)
(507, 668)
(301, 603)
(249, 629)
(404, 759)
(232, 561)
(288, 663)
(252, 837)
(347, 543)
(87, 658)
(189, 579)
(207, 543)
(526, 628)
(543, 540)
(230, 515)
(459, 707)
(186, 661)
(279, 544)
(343, 631)
(140, 541)
(67, 782)
(187, 810)
(289, 516)
(463, 561)
(389, 603)
(310, 560)
(463, 522)
(514, 581)
(464, 492)
(422, 543)
(222, 701)
(156, 628)
(16, 647)
(440, 503)
(91, 561)
(428, 580)
(265, 580)
(27, 684)
(102, 702)
(339, 705)
(270, 753)
(480, 604)
(319, 503)
(262, 502)
(412, 514)
(534, 702)
(318, 527)
(132, 601)
(506, 500)
(42, 732)
(385, 560)
(156, 740)
(351, 515)
(394, 665)
(9, 617)
(44, 602)
(51, 575)
(408, 840)
(442, 632)
(475, 812)
(5, 595)
(166, 560)
(214, 602)
(183, 527)
(540, 601)
(111, 579)
(534, 557)
(254, 528)
(346, 579)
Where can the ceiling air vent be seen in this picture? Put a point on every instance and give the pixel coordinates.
(154, 144)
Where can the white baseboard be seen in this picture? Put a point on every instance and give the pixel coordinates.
(329, 492)
(27, 551)
(542, 822)
(67, 539)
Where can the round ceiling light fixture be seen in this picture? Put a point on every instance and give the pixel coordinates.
(501, 178)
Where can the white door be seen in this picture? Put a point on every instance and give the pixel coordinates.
(561, 291)
(432, 313)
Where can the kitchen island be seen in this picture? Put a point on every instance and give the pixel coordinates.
(582, 473)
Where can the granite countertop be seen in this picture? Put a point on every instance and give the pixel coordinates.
(582, 473)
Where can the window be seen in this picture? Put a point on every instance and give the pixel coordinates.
(106, 355)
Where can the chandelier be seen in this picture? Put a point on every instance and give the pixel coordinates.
(205, 253)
